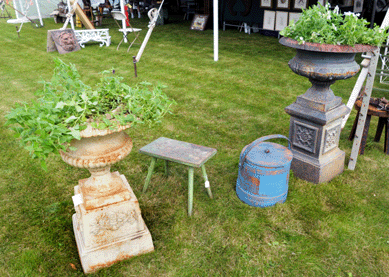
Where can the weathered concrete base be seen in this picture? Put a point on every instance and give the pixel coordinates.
(315, 171)
(110, 231)
(94, 259)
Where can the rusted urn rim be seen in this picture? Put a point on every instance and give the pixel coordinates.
(107, 157)
(319, 47)
(98, 161)
(104, 156)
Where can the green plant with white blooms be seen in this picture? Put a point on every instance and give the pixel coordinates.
(321, 24)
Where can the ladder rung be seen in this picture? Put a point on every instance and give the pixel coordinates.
(383, 70)
(382, 74)
(380, 89)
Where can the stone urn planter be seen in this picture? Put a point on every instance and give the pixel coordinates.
(108, 225)
(316, 116)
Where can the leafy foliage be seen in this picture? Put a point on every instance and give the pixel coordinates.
(66, 106)
(320, 24)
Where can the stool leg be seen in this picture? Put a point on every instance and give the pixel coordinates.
(190, 188)
(386, 146)
(166, 168)
(364, 135)
(149, 173)
(207, 186)
(380, 127)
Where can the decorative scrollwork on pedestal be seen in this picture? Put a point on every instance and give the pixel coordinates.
(112, 221)
(331, 138)
(305, 137)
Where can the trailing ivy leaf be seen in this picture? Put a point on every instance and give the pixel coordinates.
(79, 109)
(101, 125)
(70, 119)
(76, 134)
(60, 105)
(84, 96)
(107, 122)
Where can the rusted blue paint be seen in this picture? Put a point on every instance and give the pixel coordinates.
(263, 175)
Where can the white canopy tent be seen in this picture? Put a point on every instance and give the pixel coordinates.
(38, 9)
(34, 9)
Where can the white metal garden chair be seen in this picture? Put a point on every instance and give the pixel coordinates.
(117, 15)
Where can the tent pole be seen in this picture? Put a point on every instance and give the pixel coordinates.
(70, 17)
(215, 30)
(21, 8)
(39, 12)
(122, 10)
(373, 14)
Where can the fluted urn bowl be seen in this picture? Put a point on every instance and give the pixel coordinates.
(325, 62)
(96, 151)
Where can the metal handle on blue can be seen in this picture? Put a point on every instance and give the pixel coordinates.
(243, 155)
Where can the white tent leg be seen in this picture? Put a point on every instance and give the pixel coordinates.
(123, 21)
(215, 30)
(39, 12)
(70, 18)
(21, 8)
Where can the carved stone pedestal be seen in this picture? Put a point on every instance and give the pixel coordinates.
(106, 234)
(108, 224)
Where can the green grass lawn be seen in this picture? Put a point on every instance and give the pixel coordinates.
(338, 228)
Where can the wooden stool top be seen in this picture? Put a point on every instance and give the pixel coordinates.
(178, 151)
(372, 110)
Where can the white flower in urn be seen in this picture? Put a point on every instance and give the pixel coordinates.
(333, 27)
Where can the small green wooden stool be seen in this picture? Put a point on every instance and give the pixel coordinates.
(180, 152)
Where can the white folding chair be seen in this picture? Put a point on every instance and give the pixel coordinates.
(117, 15)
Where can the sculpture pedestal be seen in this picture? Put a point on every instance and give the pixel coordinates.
(108, 224)
(315, 137)
(110, 230)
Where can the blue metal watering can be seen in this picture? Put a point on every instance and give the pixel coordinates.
(263, 175)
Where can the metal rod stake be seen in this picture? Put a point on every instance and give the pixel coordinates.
(134, 61)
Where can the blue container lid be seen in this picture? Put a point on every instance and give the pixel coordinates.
(269, 154)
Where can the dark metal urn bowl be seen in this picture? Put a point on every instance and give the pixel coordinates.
(316, 115)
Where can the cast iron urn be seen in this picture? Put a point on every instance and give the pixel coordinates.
(316, 116)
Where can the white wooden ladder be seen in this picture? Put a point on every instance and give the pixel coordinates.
(369, 69)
